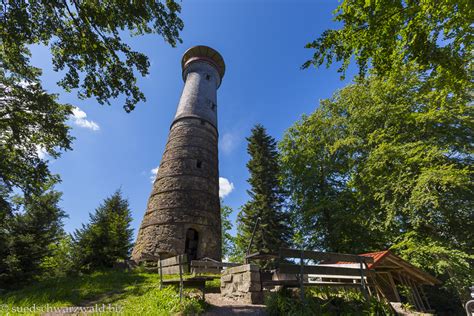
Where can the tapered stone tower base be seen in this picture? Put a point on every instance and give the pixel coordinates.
(183, 211)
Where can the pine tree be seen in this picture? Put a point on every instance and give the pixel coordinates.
(107, 237)
(266, 197)
(28, 234)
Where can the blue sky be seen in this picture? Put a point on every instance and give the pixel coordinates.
(262, 43)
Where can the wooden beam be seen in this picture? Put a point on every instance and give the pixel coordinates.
(417, 295)
(296, 283)
(416, 272)
(302, 275)
(321, 269)
(206, 270)
(425, 297)
(392, 282)
(211, 264)
(327, 256)
(411, 297)
(174, 260)
(175, 269)
(362, 280)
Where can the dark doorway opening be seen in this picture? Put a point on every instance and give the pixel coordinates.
(191, 245)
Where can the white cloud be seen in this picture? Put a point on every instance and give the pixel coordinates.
(228, 142)
(42, 153)
(225, 187)
(80, 120)
(154, 172)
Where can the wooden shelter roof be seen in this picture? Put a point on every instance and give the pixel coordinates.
(387, 261)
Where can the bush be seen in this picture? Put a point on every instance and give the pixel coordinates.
(323, 302)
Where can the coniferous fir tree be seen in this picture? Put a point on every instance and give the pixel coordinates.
(266, 198)
(107, 237)
(27, 234)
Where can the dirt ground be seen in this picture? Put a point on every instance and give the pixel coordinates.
(224, 306)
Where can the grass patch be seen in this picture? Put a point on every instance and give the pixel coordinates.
(127, 292)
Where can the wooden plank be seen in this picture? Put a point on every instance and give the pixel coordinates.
(394, 287)
(206, 270)
(363, 287)
(296, 283)
(411, 298)
(329, 276)
(174, 260)
(211, 264)
(425, 298)
(175, 269)
(295, 269)
(319, 256)
(190, 279)
(423, 276)
(261, 256)
(417, 296)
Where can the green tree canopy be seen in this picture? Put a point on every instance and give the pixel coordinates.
(29, 231)
(384, 34)
(107, 237)
(85, 39)
(386, 159)
(31, 122)
(266, 197)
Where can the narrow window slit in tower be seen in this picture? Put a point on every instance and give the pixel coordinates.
(199, 164)
(213, 106)
(208, 77)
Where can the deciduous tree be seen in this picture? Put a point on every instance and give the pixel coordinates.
(85, 39)
(396, 160)
(384, 34)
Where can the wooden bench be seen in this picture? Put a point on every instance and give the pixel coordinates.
(180, 266)
(321, 268)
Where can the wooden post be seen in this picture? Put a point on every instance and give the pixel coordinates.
(160, 270)
(362, 280)
(417, 296)
(411, 297)
(180, 279)
(394, 287)
(251, 239)
(368, 283)
(301, 277)
(415, 299)
(425, 298)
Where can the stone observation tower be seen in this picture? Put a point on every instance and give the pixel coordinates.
(183, 211)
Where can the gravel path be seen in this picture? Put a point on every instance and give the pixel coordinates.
(224, 306)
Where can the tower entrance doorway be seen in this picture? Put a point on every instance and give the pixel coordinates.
(191, 246)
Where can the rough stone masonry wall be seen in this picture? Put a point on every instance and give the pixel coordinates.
(242, 283)
(185, 194)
